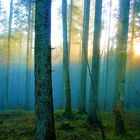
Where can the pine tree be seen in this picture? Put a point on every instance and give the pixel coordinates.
(84, 56)
(66, 71)
(121, 65)
(93, 102)
(44, 112)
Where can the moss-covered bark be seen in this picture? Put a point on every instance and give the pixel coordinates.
(45, 129)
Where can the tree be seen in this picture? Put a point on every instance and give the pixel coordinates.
(10, 22)
(45, 128)
(84, 58)
(28, 6)
(121, 65)
(93, 102)
(131, 50)
(20, 21)
(32, 24)
(3, 23)
(107, 56)
(8, 55)
(27, 84)
(70, 24)
(66, 72)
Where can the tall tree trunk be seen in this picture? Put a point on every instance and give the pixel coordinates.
(8, 55)
(32, 25)
(0, 12)
(10, 23)
(107, 58)
(93, 103)
(29, 24)
(70, 25)
(66, 70)
(131, 50)
(19, 74)
(44, 112)
(27, 84)
(121, 65)
(84, 56)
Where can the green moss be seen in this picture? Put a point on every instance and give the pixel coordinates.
(20, 125)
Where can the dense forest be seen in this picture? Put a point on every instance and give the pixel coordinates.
(69, 69)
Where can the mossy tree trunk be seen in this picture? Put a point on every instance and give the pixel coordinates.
(93, 102)
(84, 56)
(44, 112)
(121, 65)
(66, 71)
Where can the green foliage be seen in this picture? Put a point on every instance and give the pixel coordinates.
(19, 125)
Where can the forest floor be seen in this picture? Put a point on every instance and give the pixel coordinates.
(20, 125)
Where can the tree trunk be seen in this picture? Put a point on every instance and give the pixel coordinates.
(107, 58)
(84, 56)
(70, 25)
(32, 25)
(131, 51)
(8, 55)
(19, 74)
(27, 84)
(93, 103)
(121, 65)
(44, 112)
(66, 71)
(10, 23)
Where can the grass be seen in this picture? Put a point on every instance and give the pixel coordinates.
(20, 125)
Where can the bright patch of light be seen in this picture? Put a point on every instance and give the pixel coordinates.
(137, 49)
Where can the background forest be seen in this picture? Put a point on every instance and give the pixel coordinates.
(76, 63)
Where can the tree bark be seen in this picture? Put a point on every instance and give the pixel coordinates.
(66, 71)
(8, 55)
(93, 103)
(107, 59)
(84, 56)
(44, 112)
(131, 51)
(10, 23)
(121, 65)
(27, 84)
(32, 25)
(70, 24)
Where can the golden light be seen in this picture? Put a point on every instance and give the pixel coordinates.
(137, 49)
